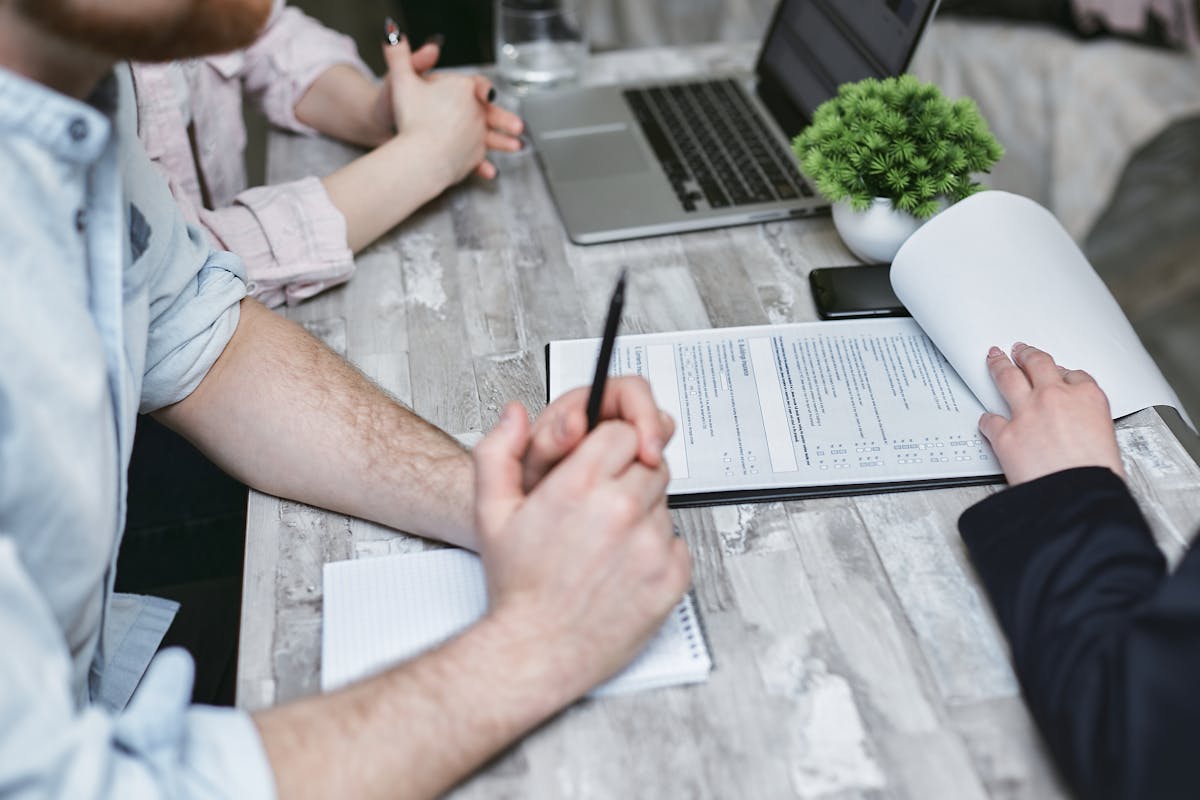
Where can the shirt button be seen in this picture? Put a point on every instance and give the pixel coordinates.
(78, 129)
(81, 220)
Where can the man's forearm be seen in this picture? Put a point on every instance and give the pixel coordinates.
(420, 728)
(282, 413)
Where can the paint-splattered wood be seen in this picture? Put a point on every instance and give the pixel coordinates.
(856, 653)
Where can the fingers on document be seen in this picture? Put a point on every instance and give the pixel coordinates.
(1037, 364)
(1009, 379)
(1077, 377)
(990, 425)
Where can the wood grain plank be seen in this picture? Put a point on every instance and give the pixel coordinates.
(1008, 750)
(256, 637)
(308, 537)
(503, 377)
(443, 383)
(916, 539)
(867, 622)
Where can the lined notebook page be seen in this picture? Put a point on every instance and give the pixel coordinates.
(381, 611)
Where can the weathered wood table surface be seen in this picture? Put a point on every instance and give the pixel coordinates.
(856, 654)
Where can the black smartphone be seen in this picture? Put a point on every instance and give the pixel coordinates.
(855, 292)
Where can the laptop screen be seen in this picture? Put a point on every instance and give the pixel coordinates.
(813, 46)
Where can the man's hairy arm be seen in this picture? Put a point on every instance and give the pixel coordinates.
(415, 730)
(284, 414)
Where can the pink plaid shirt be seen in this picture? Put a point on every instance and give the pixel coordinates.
(291, 237)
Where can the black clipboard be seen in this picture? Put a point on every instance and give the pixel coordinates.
(782, 493)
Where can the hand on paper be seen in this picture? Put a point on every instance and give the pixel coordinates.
(451, 113)
(1060, 417)
(562, 426)
(586, 566)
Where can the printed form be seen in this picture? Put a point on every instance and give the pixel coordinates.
(808, 404)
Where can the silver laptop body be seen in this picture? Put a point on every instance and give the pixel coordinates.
(632, 160)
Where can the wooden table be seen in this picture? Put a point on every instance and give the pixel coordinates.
(856, 653)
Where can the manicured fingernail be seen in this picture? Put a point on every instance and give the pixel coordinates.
(391, 31)
(1020, 346)
(491, 96)
(437, 39)
(994, 352)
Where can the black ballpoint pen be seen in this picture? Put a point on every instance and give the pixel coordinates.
(606, 347)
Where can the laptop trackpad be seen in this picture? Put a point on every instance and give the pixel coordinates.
(593, 155)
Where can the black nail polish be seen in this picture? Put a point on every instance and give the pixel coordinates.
(492, 95)
(437, 39)
(391, 32)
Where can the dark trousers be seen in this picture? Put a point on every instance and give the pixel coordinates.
(184, 540)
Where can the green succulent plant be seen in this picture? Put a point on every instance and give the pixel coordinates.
(897, 138)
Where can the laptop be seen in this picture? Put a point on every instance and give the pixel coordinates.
(632, 160)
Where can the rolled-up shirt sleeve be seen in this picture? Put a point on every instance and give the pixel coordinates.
(193, 314)
(159, 747)
(290, 54)
(291, 237)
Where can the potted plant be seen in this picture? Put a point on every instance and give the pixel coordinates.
(889, 154)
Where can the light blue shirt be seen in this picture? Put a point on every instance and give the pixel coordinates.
(109, 304)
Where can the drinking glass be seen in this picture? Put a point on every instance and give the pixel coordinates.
(540, 44)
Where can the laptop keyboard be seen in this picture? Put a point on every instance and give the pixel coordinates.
(713, 146)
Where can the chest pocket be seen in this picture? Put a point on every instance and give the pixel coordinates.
(139, 233)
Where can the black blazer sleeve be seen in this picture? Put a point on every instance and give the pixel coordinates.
(1106, 644)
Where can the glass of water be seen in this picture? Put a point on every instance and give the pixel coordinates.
(540, 44)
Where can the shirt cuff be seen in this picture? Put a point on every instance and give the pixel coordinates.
(1003, 531)
(227, 741)
(190, 326)
(295, 246)
(199, 751)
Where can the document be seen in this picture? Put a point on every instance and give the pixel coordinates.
(808, 409)
(804, 405)
(998, 268)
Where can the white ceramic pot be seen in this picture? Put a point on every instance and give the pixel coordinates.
(874, 235)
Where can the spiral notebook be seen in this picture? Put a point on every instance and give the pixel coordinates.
(381, 611)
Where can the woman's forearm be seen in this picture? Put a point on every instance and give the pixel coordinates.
(344, 104)
(378, 190)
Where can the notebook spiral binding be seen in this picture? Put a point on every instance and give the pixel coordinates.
(693, 626)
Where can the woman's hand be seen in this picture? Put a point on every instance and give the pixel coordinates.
(451, 113)
(383, 114)
(1060, 417)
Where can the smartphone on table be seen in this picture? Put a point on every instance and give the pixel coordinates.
(855, 292)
